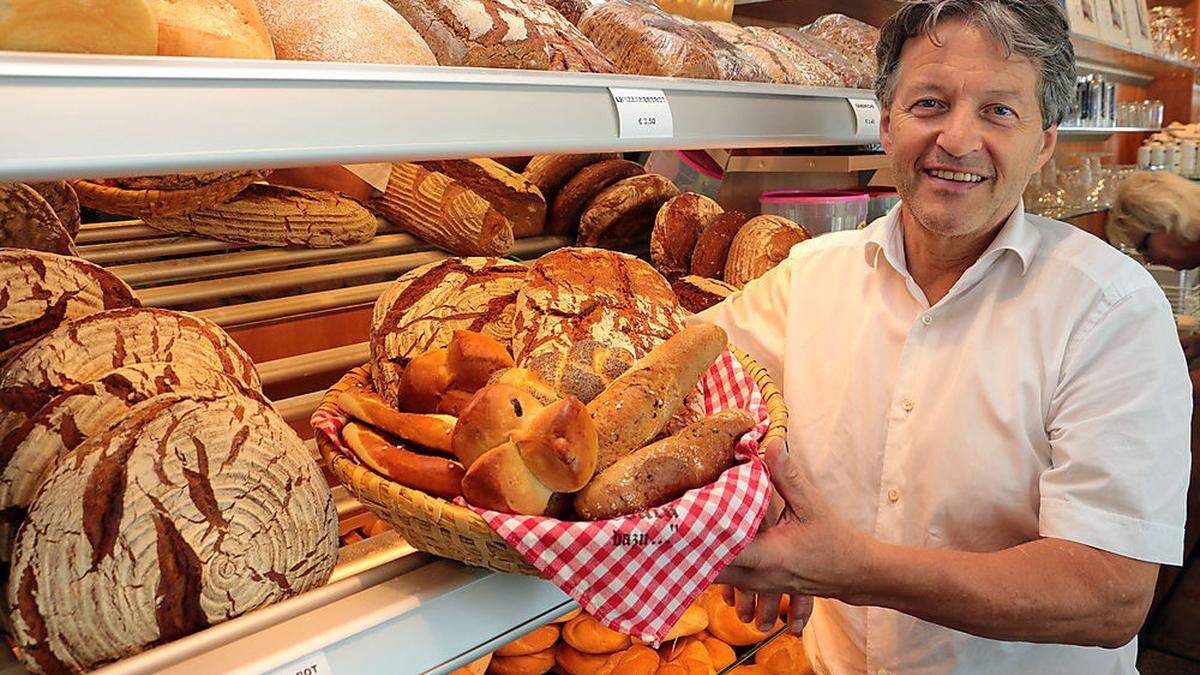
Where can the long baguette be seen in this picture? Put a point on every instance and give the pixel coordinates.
(637, 405)
(430, 431)
(438, 476)
(662, 471)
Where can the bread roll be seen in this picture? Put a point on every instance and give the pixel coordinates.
(529, 382)
(424, 383)
(477, 667)
(216, 28)
(500, 480)
(86, 26)
(725, 625)
(784, 656)
(354, 31)
(568, 616)
(662, 471)
(623, 213)
(697, 294)
(590, 637)
(636, 407)
(676, 227)
(721, 654)
(529, 664)
(582, 188)
(550, 172)
(688, 648)
(473, 358)
(438, 476)
(574, 662)
(489, 420)
(584, 370)
(559, 445)
(761, 244)
(713, 242)
(693, 621)
(429, 431)
(537, 640)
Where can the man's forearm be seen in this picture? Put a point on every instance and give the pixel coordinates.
(1044, 591)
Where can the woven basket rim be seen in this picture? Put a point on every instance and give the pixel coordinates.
(456, 524)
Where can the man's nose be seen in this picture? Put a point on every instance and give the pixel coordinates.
(960, 134)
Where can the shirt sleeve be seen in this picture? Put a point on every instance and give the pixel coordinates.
(1119, 430)
(756, 318)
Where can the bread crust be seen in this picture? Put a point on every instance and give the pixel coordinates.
(623, 213)
(761, 244)
(676, 228)
(582, 188)
(713, 242)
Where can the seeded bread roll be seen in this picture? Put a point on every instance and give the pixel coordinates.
(213, 28)
(641, 39)
(676, 227)
(421, 310)
(109, 27)
(760, 245)
(27, 221)
(550, 172)
(354, 31)
(583, 370)
(697, 294)
(274, 215)
(582, 188)
(623, 213)
(713, 242)
(524, 34)
(510, 193)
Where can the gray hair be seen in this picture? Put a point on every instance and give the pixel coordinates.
(1035, 29)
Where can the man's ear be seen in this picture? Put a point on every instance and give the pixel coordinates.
(1049, 143)
(885, 128)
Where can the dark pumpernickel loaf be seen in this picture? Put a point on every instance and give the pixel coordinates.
(580, 190)
(712, 245)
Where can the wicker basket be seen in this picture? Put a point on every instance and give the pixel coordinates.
(448, 530)
(148, 203)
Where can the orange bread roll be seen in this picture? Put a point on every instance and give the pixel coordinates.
(569, 615)
(751, 669)
(538, 640)
(725, 625)
(633, 661)
(784, 656)
(693, 620)
(477, 667)
(719, 653)
(587, 635)
(574, 662)
(530, 664)
(685, 648)
(686, 667)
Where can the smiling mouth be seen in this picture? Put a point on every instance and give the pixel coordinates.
(962, 177)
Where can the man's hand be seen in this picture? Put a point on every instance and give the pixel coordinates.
(809, 551)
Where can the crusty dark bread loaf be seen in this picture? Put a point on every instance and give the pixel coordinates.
(713, 242)
(676, 228)
(637, 406)
(761, 244)
(510, 193)
(550, 172)
(623, 213)
(663, 471)
(697, 294)
(641, 39)
(582, 188)
(28, 221)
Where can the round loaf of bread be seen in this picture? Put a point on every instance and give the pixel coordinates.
(274, 215)
(42, 290)
(421, 310)
(623, 213)
(190, 512)
(697, 294)
(62, 198)
(31, 450)
(676, 227)
(85, 26)
(641, 39)
(214, 28)
(582, 188)
(28, 221)
(576, 294)
(150, 196)
(80, 351)
(712, 244)
(761, 244)
(355, 31)
(550, 172)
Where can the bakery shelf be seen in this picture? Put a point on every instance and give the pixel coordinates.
(81, 115)
(1101, 133)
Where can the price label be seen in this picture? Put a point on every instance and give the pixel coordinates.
(313, 664)
(866, 111)
(643, 113)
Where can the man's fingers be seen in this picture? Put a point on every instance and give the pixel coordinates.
(789, 480)
(775, 508)
(727, 593)
(744, 604)
(767, 612)
(799, 609)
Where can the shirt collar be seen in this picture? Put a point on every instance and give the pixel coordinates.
(1017, 235)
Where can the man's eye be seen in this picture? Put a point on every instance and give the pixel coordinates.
(927, 103)
(1003, 111)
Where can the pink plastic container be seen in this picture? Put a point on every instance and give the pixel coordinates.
(690, 170)
(819, 211)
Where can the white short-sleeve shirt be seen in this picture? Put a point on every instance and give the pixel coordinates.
(1045, 396)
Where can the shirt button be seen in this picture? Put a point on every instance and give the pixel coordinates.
(927, 319)
(894, 495)
(907, 405)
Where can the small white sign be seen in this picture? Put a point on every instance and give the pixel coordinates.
(866, 111)
(313, 664)
(644, 113)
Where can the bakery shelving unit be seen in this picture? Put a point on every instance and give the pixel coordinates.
(388, 608)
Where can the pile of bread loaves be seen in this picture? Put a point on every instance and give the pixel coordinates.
(567, 388)
(148, 488)
(708, 253)
(705, 640)
(617, 36)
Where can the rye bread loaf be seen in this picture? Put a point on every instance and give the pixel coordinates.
(623, 213)
(524, 34)
(641, 39)
(854, 39)
(676, 227)
(582, 188)
(550, 172)
(421, 310)
(79, 351)
(39, 291)
(28, 221)
(274, 215)
(732, 60)
(510, 193)
(813, 72)
(851, 72)
(697, 294)
(444, 212)
(345, 31)
(62, 198)
(713, 242)
(573, 10)
(192, 511)
(760, 245)
(167, 195)
(778, 64)
(31, 450)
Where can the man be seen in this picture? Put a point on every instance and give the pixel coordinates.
(988, 437)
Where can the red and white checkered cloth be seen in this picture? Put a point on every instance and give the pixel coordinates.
(638, 574)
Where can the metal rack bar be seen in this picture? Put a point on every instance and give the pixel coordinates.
(336, 360)
(160, 247)
(295, 305)
(116, 230)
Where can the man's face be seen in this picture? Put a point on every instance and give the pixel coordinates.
(964, 130)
